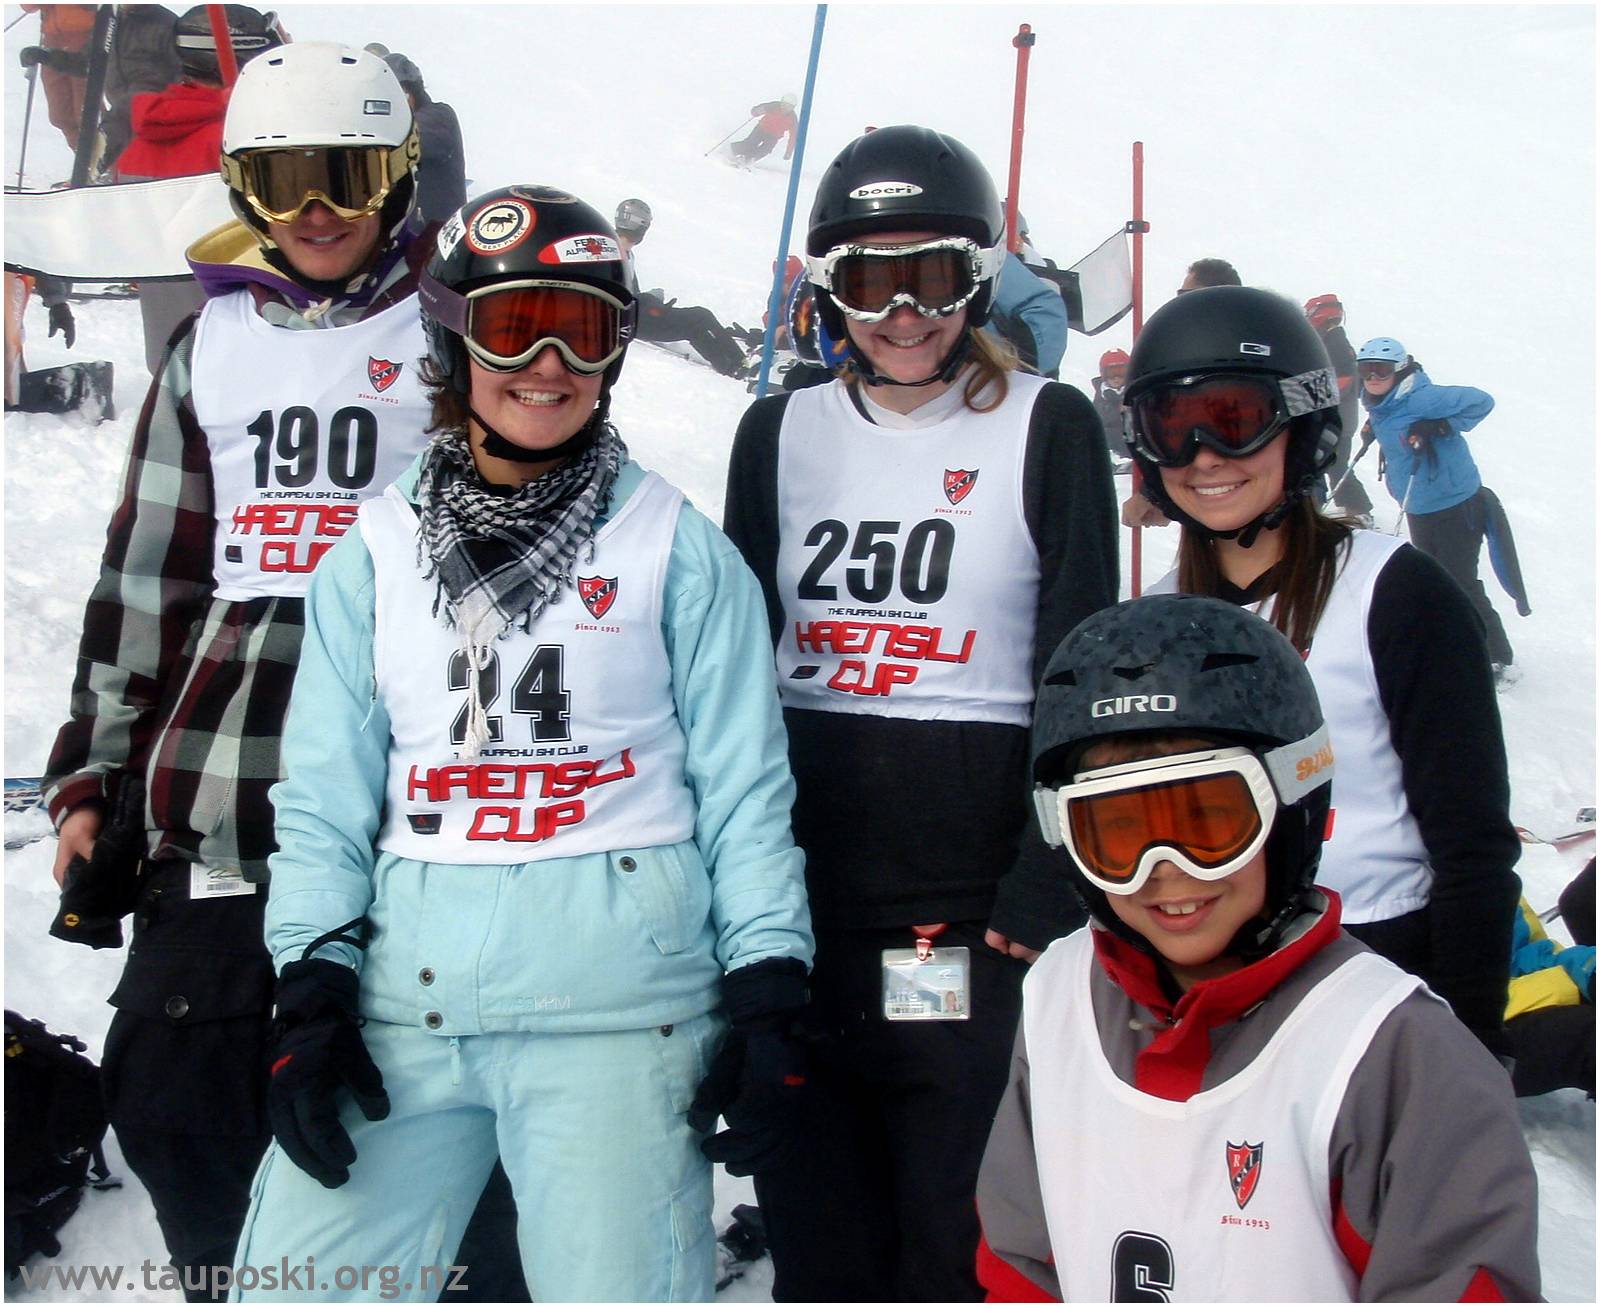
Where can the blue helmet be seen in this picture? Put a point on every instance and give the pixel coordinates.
(1382, 349)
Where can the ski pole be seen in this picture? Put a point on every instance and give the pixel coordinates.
(1404, 504)
(1338, 485)
(729, 136)
(27, 117)
(15, 21)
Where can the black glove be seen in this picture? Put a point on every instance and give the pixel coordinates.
(98, 892)
(317, 1051)
(61, 320)
(757, 1081)
(73, 63)
(1425, 429)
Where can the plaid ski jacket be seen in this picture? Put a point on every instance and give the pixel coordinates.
(189, 689)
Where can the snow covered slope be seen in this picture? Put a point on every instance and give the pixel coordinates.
(1432, 165)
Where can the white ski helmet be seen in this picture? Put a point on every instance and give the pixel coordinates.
(1382, 349)
(316, 93)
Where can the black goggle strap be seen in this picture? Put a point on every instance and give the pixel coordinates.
(1295, 769)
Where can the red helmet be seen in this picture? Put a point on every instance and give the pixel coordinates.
(1324, 311)
(1113, 358)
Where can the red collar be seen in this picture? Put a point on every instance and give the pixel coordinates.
(1173, 1065)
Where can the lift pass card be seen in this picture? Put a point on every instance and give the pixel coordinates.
(217, 882)
(935, 989)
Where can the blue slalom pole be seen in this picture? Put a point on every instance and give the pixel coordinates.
(775, 303)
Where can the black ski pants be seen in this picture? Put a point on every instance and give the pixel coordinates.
(185, 1075)
(694, 324)
(1454, 536)
(880, 1205)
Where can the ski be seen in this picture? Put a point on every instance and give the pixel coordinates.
(1582, 832)
(22, 793)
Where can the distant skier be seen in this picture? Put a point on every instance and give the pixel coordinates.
(442, 169)
(1108, 403)
(1326, 314)
(1208, 272)
(63, 62)
(775, 118)
(71, 388)
(1030, 315)
(1432, 475)
(660, 319)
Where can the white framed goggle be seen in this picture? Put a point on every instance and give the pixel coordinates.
(1208, 812)
(935, 277)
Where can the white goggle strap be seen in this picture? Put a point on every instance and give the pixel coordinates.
(1047, 804)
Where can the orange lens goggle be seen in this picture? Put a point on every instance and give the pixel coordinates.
(1208, 812)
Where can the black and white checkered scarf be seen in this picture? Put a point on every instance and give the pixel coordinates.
(501, 559)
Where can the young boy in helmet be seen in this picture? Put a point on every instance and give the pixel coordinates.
(1217, 1094)
(1108, 404)
(534, 745)
(290, 398)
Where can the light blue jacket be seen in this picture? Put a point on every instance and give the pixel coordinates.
(1036, 304)
(1446, 477)
(627, 939)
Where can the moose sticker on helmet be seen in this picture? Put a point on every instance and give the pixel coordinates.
(499, 226)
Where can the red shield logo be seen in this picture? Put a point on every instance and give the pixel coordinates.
(598, 593)
(382, 373)
(958, 483)
(1244, 1170)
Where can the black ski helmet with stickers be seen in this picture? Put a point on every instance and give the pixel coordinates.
(1241, 329)
(1192, 665)
(904, 178)
(513, 233)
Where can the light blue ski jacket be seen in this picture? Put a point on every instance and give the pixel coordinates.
(1035, 304)
(626, 939)
(1447, 475)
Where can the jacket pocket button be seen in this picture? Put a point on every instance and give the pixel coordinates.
(627, 864)
(433, 1021)
(177, 1007)
(426, 975)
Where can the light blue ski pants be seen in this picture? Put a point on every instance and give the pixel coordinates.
(613, 1194)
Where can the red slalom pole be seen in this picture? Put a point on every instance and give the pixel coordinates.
(1138, 227)
(227, 65)
(1023, 41)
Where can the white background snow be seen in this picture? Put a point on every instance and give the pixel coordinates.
(1433, 165)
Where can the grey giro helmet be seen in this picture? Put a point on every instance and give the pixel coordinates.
(1241, 329)
(1192, 665)
(898, 179)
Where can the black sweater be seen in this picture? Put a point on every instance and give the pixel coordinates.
(909, 822)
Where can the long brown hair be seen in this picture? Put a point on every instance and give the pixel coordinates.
(1313, 546)
(991, 358)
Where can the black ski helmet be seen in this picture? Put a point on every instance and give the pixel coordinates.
(1244, 330)
(897, 179)
(1193, 665)
(249, 31)
(512, 233)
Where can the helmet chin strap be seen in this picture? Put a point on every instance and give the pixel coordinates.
(497, 446)
(947, 370)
